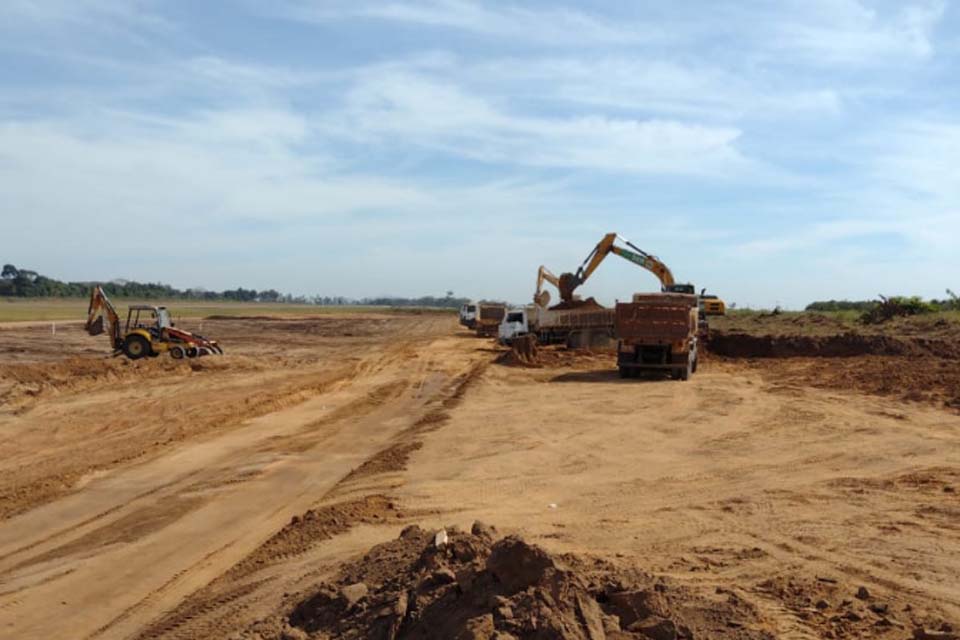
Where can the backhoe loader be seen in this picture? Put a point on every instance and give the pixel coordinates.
(148, 331)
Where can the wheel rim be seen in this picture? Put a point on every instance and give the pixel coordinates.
(136, 348)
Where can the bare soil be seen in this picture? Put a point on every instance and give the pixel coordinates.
(805, 492)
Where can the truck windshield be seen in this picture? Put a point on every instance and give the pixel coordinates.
(472, 309)
(515, 317)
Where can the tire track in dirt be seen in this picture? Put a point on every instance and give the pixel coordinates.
(201, 614)
(154, 405)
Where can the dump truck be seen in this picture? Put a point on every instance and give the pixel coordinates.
(488, 318)
(658, 332)
(579, 326)
(468, 315)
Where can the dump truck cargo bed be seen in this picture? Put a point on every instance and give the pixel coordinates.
(657, 331)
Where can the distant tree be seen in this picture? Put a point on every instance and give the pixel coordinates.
(9, 272)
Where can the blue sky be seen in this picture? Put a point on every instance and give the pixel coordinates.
(773, 152)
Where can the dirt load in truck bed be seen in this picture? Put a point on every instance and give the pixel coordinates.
(589, 303)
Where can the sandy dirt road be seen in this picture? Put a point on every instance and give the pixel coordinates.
(140, 510)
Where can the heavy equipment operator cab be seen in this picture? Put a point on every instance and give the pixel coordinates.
(680, 288)
(153, 319)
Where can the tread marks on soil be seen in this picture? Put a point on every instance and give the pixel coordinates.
(192, 617)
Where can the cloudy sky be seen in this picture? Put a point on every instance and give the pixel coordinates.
(773, 152)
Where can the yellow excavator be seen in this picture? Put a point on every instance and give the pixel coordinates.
(540, 297)
(568, 282)
(147, 332)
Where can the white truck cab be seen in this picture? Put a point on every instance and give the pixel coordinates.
(468, 315)
(515, 323)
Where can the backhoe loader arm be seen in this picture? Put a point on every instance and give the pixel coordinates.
(570, 281)
(99, 311)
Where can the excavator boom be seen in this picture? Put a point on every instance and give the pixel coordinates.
(570, 281)
(100, 311)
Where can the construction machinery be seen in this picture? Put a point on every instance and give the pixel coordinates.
(468, 315)
(658, 332)
(488, 318)
(590, 325)
(540, 297)
(568, 282)
(148, 331)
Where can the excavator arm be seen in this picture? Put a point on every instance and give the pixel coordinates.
(100, 312)
(540, 297)
(570, 281)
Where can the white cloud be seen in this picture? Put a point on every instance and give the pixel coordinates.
(847, 31)
(400, 109)
(550, 25)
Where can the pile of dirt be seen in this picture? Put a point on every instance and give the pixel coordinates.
(524, 352)
(558, 357)
(589, 303)
(452, 584)
(745, 345)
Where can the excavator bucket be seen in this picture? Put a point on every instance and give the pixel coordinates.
(95, 328)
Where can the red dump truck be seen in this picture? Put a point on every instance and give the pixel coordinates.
(657, 332)
(488, 318)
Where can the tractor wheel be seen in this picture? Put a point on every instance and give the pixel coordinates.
(136, 347)
(177, 352)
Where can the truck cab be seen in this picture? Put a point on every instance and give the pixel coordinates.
(468, 315)
(515, 323)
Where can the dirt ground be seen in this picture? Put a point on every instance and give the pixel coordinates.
(296, 487)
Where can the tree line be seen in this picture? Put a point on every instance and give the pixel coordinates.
(915, 303)
(26, 283)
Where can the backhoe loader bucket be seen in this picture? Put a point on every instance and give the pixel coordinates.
(95, 328)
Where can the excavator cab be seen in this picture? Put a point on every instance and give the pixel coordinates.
(680, 288)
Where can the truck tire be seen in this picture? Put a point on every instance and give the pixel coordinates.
(624, 372)
(136, 347)
(685, 373)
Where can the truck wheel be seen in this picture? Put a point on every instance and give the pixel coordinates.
(624, 372)
(136, 347)
(685, 373)
(696, 361)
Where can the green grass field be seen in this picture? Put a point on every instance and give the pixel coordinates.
(59, 309)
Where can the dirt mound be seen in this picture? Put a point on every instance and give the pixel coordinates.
(452, 584)
(558, 357)
(523, 352)
(589, 303)
(744, 345)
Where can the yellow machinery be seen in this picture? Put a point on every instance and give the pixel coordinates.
(540, 297)
(148, 331)
(568, 282)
